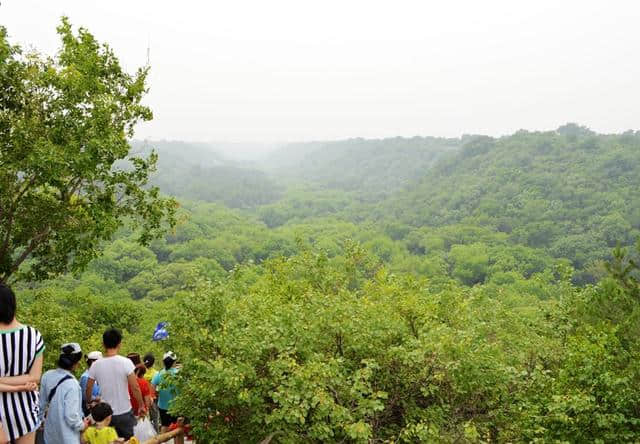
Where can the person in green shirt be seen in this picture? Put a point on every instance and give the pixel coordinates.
(166, 391)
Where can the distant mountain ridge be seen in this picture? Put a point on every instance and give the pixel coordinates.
(374, 167)
(174, 151)
(196, 171)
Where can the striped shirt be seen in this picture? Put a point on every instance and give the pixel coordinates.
(19, 348)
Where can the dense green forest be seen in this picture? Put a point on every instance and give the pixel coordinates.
(371, 168)
(467, 290)
(395, 290)
(571, 192)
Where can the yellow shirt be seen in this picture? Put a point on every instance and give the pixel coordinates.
(149, 374)
(105, 435)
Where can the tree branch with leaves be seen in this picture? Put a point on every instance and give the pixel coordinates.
(67, 179)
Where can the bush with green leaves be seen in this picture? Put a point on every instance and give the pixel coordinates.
(341, 350)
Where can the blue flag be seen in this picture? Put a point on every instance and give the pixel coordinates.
(161, 332)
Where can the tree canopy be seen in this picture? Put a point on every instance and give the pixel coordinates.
(64, 126)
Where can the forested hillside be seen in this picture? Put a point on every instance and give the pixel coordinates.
(573, 193)
(494, 210)
(373, 168)
(403, 290)
(198, 172)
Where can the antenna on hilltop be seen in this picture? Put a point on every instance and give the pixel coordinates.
(148, 50)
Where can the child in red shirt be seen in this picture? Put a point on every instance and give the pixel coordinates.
(145, 389)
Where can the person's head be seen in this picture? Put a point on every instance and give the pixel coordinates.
(70, 355)
(135, 358)
(140, 370)
(7, 304)
(93, 357)
(112, 338)
(149, 360)
(169, 359)
(101, 413)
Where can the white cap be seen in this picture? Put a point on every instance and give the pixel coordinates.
(171, 355)
(70, 348)
(94, 355)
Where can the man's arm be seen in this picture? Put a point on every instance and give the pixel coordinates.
(135, 389)
(89, 390)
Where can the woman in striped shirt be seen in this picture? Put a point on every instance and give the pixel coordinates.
(29, 387)
(21, 349)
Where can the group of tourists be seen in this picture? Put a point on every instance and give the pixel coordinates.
(103, 407)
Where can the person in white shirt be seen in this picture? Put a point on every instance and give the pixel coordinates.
(115, 375)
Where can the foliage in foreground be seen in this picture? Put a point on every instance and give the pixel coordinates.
(320, 350)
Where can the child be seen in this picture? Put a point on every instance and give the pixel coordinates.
(100, 432)
(145, 389)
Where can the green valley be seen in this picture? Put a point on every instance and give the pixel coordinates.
(419, 289)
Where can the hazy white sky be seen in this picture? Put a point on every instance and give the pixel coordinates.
(283, 70)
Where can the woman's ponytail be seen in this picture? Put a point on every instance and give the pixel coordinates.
(70, 355)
